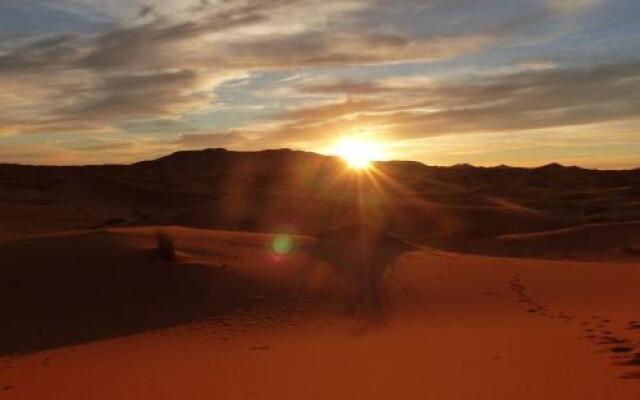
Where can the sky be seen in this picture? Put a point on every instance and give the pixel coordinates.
(516, 82)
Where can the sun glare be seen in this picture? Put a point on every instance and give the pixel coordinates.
(357, 153)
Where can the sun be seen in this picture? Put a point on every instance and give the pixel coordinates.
(357, 153)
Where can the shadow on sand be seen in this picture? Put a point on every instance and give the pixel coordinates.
(360, 254)
(71, 290)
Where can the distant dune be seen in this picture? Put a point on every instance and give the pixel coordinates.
(462, 208)
(605, 238)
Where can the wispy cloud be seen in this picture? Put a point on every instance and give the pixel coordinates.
(121, 64)
(572, 6)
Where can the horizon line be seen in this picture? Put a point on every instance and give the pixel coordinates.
(205, 149)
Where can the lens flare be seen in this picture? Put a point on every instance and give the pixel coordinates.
(282, 244)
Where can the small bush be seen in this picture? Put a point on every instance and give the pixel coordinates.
(165, 247)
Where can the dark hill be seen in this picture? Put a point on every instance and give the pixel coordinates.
(306, 192)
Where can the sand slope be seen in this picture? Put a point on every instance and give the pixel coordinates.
(595, 239)
(232, 320)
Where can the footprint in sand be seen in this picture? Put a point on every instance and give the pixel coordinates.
(621, 349)
(632, 361)
(596, 329)
(633, 325)
(608, 339)
(630, 375)
(533, 307)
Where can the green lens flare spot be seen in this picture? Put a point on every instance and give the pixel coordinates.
(282, 244)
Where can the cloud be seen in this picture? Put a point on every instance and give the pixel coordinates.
(40, 103)
(536, 64)
(216, 139)
(141, 95)
(145, 10)
(343, 49)
(572, 6)
(153, 60)
(528, 99)
(158, 43)
(106, 146)
(167, 66)
(42, 55)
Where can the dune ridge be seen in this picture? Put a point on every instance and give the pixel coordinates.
(458, 208)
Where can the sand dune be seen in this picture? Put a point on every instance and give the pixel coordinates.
(259, 191)
(594, 239)
(277, 289)
(76, 287)
(231, 319)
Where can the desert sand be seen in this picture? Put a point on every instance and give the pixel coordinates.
(453, 326)
(477, 283)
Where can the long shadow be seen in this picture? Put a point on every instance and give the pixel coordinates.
(360, 254)
(83, 288)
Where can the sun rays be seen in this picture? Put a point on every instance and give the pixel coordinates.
(358, 153)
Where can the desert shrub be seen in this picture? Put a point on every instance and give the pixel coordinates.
(165, 246)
